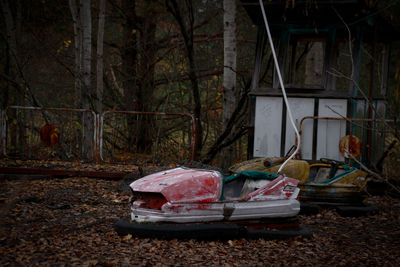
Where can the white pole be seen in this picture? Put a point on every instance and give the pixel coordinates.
(278, 71)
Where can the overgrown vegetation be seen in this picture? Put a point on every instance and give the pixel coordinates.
(159, 56)
(146, 67)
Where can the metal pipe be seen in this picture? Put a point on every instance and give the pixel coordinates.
(289, 112)
(54, 109)
(332, 118)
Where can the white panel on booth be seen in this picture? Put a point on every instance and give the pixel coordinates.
(301, 107)
(268, 127)
(330, 131)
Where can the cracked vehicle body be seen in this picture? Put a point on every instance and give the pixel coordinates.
(328, 181)
(184, 195)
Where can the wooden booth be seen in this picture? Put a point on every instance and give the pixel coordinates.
(334, 59)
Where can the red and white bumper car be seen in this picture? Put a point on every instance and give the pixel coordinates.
(184, 195)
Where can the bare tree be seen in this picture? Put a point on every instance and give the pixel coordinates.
(128, 51)
(83, 56)
(229, 71)
(87, 123)
(99, 52)
(186, 28)
(77, 49)
(11, 46)
(13, 68)
(146, 18)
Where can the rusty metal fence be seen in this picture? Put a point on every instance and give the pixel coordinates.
(36, 132)
(114, 136)
(146, 136)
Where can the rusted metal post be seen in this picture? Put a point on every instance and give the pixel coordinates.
(3, 133)
(96, 141)
(101, 136)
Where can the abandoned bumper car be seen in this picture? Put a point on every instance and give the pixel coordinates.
(326, 181)
(194, 203)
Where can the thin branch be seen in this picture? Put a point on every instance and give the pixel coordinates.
(374, 174)
(350, 47)
(236, 114)
(341, 75)
(337, 73)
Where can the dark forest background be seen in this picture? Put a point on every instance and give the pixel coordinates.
(132, 55)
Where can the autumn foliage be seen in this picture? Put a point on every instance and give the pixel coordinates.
(50, 134)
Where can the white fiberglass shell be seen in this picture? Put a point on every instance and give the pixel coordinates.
(182, 185)
(275, 199)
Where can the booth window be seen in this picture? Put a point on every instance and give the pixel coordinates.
(305, 63)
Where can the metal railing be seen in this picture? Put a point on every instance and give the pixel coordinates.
(152, 121)
(20, 131)
(29, 120)
(363, 129)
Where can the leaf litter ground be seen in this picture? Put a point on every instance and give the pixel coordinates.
(70, 222)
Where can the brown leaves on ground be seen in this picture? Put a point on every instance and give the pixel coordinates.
(70, 222)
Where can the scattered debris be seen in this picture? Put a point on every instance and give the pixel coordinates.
(32, 234)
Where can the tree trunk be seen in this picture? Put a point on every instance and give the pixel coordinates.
(187, 34)
(87, 122)
(229, 72)
(13, 24)
(78, 50)
(129, 63)
(6, 88)
(146, 82)
(100, 63)
(11, 31)
(10, 49)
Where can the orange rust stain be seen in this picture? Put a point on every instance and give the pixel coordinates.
(50, 134)
(350, 144)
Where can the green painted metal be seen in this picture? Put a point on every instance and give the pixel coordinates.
(347, 169)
